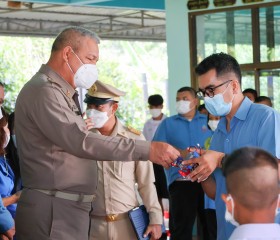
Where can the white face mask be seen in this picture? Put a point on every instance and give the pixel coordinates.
(86, 75)
(213, 124)
(230, 216)
(183, 106)
(98, 118)
(155, 112)
(7, 140)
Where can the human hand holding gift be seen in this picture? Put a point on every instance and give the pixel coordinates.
(182, 162)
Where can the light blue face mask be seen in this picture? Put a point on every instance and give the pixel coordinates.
(277, 211)
(217, 105)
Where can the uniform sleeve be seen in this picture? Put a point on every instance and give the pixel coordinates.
(145, 179)
(52, 115)
(268, 134)
(6, 220)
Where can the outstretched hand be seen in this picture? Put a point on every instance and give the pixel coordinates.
(207, 163)
(163, 154)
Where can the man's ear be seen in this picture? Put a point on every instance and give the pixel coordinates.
(66, 53)
(196, 101)
(115, 107)
(236, 86)
(226, 199)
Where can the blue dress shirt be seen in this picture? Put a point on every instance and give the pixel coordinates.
(181, 133)
(253, 125)
(6, 220)
(7, 183)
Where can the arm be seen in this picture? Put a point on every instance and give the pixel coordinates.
(85, 144)
(207, 163)
(12, 199)
(6, 222)
(145, 179)
(209, 187)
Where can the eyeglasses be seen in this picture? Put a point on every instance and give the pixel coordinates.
(209, 91)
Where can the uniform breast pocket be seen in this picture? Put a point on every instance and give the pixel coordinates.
(124, 170)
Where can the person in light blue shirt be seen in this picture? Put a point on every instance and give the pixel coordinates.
(6, 222)
(187, 128)
(243, 124)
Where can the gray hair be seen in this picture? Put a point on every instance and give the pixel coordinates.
(71, 36)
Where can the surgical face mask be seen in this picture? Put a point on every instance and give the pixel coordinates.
(230, 216)
(86, 74)
(155, 112)
(183, 106)
(213, 124)
(98, 118)
(14, 140)
(217, 105)
(6, 140)
(277, 211)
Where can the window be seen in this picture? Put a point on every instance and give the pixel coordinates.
(251, 34)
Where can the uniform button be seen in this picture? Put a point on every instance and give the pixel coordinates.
(227, 140)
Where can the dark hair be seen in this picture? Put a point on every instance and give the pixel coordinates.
(12, 154)
(221, 62)
(252, 91)
(252, 177)
(188, 89)
(71, 36)
(262, 99)
(248, 157)
(1, 85)
(155, 100)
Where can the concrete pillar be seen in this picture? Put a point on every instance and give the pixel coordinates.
(177, 37)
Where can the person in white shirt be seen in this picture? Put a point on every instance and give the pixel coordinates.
(155, 106)
(253, 196)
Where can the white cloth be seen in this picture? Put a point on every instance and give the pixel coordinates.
(269, 231)
(150, 128)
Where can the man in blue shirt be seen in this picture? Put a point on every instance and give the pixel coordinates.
(6, 222)
(187, 128)
(243, 123)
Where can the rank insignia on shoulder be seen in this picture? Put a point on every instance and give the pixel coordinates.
(133, 130)
(68, 93)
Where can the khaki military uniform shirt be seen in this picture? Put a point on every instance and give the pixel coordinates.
(116, 183)
(56, 150)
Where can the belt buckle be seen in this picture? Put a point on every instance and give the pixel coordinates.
(111, 217)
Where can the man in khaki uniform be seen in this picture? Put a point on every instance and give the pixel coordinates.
(55, 148)
(116, 193)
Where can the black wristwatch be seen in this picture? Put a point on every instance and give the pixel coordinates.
(223, 160)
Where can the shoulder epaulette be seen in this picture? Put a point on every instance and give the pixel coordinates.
(133, 130)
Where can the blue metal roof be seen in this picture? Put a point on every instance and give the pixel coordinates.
(131, 4)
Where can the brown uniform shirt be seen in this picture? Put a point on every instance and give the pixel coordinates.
(55, 149)
(116, 184)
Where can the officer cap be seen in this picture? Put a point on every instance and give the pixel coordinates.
(101, 93)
